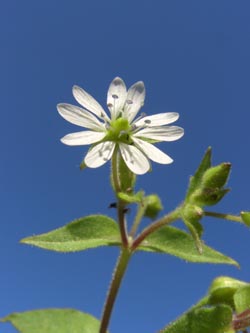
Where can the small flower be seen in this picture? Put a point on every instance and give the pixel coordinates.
(133, 137)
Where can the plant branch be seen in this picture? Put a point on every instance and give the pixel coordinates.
(167, 219)
(229, 217)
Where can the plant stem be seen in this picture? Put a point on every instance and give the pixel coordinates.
(138, 217)
(120, 204)
(229, 217)
(167, 219)
(118, 274)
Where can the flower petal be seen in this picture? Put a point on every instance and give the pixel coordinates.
(135, 100)
(136, 161)
(78, 116)
(168, 133)
(159, 119)
(99, 154)
(116, 97)
(87, 101)
(82, 138)
(152, 152)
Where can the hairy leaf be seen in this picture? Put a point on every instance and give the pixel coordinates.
(84, 233)
(196, 179)
(53, 321)
(171, 240)
(216, 319)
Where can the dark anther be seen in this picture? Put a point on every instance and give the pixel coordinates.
(115, 96)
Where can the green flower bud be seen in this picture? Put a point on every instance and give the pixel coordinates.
(223, 288)
(154, 206)
(208, 196)
(216, 177)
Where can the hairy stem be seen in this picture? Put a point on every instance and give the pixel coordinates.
(229, 217)
(139, 215)
(167, 219)
(118, 275)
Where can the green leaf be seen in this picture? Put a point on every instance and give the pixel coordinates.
(246, 218)
(131, 198)
(84, 233)
(176, 242)
(242, 299)
(53, 321)
(196, 179)
(194, 229)
(216, 319)
(222, 290)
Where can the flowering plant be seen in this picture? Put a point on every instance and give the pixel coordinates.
(129, 141)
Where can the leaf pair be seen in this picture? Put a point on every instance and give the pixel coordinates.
(99, 230)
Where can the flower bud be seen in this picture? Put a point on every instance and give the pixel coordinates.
(208, 196)
(216, 177)
(154, 206)
(223, 289)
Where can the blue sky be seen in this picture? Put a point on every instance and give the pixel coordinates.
(193, 57)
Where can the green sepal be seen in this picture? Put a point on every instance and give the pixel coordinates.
(85, 233)
(222, 290)
(216, 319)
(126, 177)
(53, 321)
(153, 206)
(83, 165)
(217, 176)
(245, 216)
(195, 180)
(173, 241)
(208, 196)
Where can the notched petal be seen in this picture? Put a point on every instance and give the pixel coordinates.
(168, 133)
(87, 101)
(99, 154)
(153, 152)
(135, 160)
(82, 138)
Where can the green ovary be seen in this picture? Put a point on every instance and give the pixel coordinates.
(119, 131)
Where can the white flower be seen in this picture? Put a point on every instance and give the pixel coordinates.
(133, 137)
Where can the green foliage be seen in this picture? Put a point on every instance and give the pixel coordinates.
(223, 289)
(195, 180)
(206, 187)
(170, 240)
(216, 319)
(53, 321)
(84, 233)
(246, 218)
(191, 216)
(131, 198)
(242, 299)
